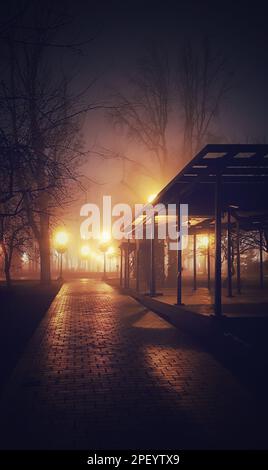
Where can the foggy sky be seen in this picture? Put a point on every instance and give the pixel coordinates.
(123, 30)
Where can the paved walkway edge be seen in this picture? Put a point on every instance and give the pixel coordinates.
(32, 345)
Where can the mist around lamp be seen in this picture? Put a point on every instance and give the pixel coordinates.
(203, 241)
(151, 198)
(85, 251)
(61, 239)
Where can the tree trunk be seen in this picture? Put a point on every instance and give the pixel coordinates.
(7, 262)
(7, 272)
(44, 249)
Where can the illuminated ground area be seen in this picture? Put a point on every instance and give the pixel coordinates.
(252, 301)
(202, 300)
(101, 371)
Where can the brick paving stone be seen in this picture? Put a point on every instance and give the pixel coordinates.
(101, 371)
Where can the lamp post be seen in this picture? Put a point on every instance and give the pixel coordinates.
(61, 240)
(104, 264)
(85, 253)
(104, 248)
(110, 253)
(107, 250)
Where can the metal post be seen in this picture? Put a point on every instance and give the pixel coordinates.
(194, 262)
(179, 273)
(152, 242)
(61, 266)
(261, 260)
(229, 254)
(208, 261)
(217, 289)
(238, 267)
(121, 267)
(137, 266)
(125, 268)
(104, 265)
(128, 271)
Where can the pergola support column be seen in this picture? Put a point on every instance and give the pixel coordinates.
(208, 262)
(194, 263)
(137, 266)
(128, 271)
(104, 265)
(125, 268)
(261, 260)
(152, 258)
(229, 254)
(179, 273)
(217, 288)
(121, 266)
(238, 265)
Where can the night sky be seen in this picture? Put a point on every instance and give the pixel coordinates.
(122, 32)
(237, 29)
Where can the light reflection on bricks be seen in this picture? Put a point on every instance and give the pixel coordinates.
(103, 372)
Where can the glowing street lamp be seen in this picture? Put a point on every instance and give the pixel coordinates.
(25, 258)
(85, 251)
(61, 239)
(151, 198)
(203, 241)
(110, 250)
(105, 237)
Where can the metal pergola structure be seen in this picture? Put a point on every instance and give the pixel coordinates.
(221, 178)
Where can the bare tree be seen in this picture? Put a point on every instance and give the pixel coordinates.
(15, 236)
(144, 114)
(129, 168)
(202, 82)
(42, 119)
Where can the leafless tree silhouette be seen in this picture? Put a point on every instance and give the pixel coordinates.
(202, 82)
(40, 122)
(144, 114)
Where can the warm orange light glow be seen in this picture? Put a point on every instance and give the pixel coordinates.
(25, 258)
(105, 236)
(61, 240)
(203, 241)
(85, 251)
(151, 198)
(110, 250)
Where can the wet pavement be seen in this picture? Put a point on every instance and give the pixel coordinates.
(101, 371)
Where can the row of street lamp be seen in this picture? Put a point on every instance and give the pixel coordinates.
(61, 240)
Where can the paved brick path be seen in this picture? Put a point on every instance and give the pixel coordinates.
(103, 372)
